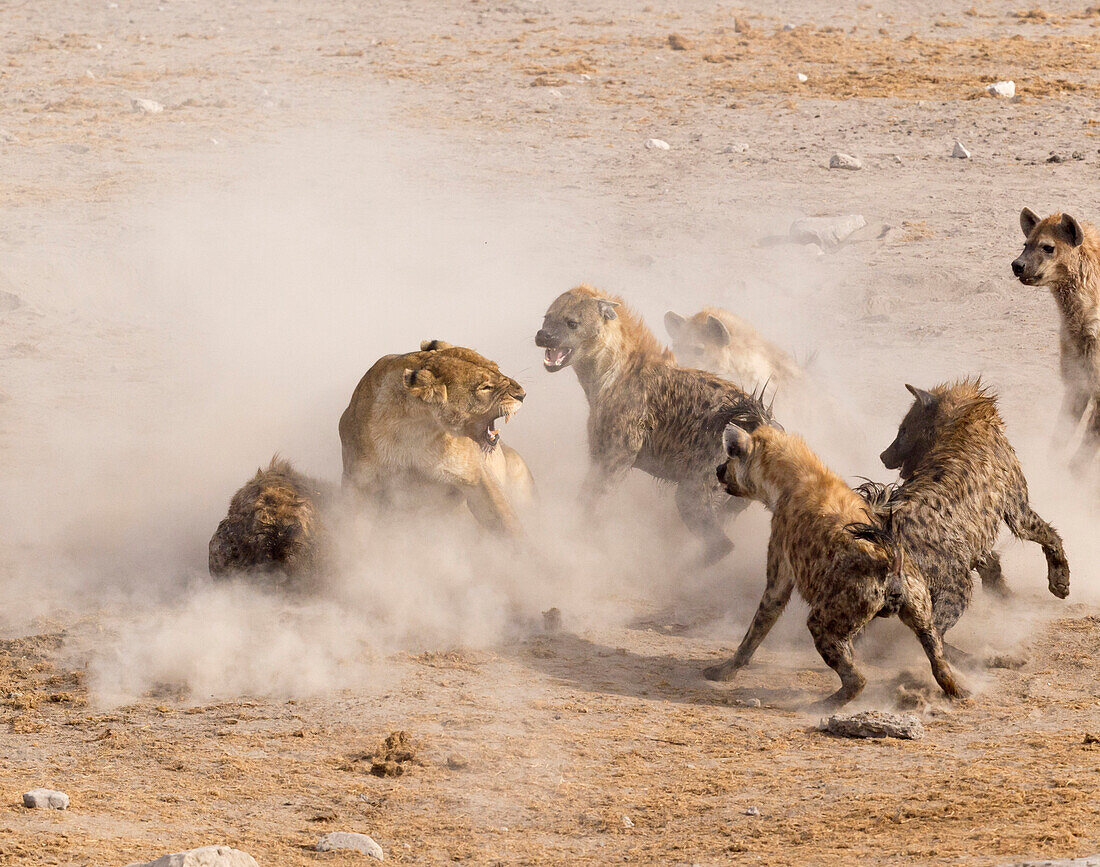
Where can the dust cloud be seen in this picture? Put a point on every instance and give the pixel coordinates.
(198, 333)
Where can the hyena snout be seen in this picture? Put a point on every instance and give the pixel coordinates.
(1018, 267)
(547, 340)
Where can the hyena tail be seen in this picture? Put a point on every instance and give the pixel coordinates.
(880, 535)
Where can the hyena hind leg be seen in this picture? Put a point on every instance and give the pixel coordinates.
(833, 639)
(993, 579)
(704, 514)
(916, 613)
(1027, 525)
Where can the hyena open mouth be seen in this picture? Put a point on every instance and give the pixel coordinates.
(556, 358)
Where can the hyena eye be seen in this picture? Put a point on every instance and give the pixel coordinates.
(1048, 248)
(572, 323)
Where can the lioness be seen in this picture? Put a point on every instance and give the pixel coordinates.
(645, 411)
(421, 430)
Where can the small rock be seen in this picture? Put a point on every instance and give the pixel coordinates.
(959, 152)
(656, 144)
(788, 27)
(827, 232)
(627, 823)
(205, 856)
(551, 620)
(874, 724)
(1055, 158)
(803, 77)
(146, 106)
(9, 301)
(755, 702)
(1077, 155)
(844, 161)
(752, 811)
(735, 148)
(1007, 89)
(457, 762)
(43, 799)
(677, 42)
(8, 137)
(355, 842)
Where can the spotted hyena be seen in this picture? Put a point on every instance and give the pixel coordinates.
(960, 479)
(827, 542)
(1063, 255)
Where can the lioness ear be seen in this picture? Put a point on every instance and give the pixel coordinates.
(926, 398)
(1028, 221)
(607, 308)
(1070, 229)
(431, 345)
(424, 385)
(737, 441)
(674, 322)
(717, 331)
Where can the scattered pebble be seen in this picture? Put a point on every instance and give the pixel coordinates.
(752, 811)
(959, 152)
(146, 106)
(788, 26)
(1007, 89)
(803, 77)
(826, 232)
(627, 823)
(735, 148)
(45, 799)
(656, 144)
(1055, 158)
(205, 856)
(873, 724)
(844, 161)
(355, 842)
(677, 42)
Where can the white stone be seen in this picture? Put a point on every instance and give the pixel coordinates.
(205, 856)
(873, 724)
(959, 152)
(656, 143)
(736, 148)
(844, 161)
(43, 799)
(826, 232)
(803, 77)
(627, 822)
(146, 106)
(1007, 89)
(354, 842)
(788, 26)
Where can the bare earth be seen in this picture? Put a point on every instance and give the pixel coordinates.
(600, 743)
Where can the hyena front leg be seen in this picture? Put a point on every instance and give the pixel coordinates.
(704, 512)
(993, 579)
(1025, 524)
(916, 613)
(777, 594)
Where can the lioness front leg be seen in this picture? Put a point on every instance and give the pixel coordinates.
(486, 500)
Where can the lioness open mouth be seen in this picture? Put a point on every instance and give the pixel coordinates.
(492, 435)
(556, 358)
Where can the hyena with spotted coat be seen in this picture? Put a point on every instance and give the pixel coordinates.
(645, 411)
(960, 479)
(825, 540)
(1064, 255)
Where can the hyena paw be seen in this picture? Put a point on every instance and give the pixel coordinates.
(1058, 582)
(724, 671)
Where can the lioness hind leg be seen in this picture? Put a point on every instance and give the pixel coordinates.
(916, 613)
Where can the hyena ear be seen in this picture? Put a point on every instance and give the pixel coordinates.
(736, 441)
(424, 385)
(607, 308)
(674, 324)
(926, 398)
(1028, 221)
(717, 331)
(1070, 229)
(431, 345)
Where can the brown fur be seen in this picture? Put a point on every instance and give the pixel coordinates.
(645, 412)
(1064, 255)
(275, 525)
(420, 431)
(717, 340)
(821, 543)
(961, 478)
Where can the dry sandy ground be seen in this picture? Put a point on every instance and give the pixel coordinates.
(601, 743)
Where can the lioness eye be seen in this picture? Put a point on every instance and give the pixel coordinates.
(572, 323)
(1048, 248)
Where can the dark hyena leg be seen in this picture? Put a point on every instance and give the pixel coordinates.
(916, 613)
(951, 598)
(993, 579)
(777, 594)
(704, 511)
(1025, 524)
(833, 629)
